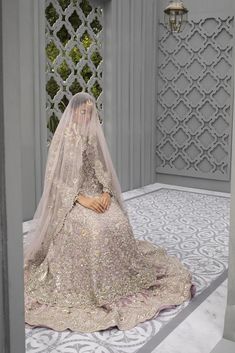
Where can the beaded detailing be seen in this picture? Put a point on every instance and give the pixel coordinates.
(95, 163)
(95, 274)
(60, 309)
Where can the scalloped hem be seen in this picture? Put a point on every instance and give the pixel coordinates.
(124, 313)
(170, 290)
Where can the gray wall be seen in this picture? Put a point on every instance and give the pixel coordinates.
(27, 107)
(194, 101)
(32, 99)
(227, 344)
(12, 330)
(130, 89)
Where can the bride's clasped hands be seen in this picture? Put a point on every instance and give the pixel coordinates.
(98, 204)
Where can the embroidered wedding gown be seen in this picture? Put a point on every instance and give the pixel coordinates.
(103, 265)
(101, 276)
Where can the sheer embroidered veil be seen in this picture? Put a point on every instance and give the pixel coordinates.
(79, 128)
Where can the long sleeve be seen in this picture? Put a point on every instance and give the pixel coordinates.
(66, 186)
(102, 175)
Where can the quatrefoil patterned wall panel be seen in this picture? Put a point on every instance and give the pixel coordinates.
(194, 115)
(74, 55)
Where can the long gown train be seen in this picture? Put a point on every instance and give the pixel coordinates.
(103, 276)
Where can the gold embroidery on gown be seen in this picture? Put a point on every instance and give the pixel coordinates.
(102, 276)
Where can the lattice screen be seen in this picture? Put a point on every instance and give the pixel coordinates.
(74, 52)
(194, 118)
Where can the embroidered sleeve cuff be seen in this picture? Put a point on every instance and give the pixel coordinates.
(105, 189)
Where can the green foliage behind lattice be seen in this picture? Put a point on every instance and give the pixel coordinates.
(74, 54)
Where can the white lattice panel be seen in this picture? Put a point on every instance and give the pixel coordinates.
(74, 51)
(194, 117)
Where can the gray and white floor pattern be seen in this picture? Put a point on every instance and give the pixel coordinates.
(192, 224)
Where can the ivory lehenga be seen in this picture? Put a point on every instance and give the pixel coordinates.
(94, 274)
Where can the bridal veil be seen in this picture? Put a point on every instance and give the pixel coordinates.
(79, 128)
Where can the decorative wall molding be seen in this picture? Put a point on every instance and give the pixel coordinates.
(12, 327)
(130, 88)
(194, 116)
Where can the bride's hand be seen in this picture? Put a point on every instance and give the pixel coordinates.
(93, 203)
(105, 199)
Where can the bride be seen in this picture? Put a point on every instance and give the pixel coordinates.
(83, 268)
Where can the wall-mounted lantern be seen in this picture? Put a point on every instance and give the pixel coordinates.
(176, 16)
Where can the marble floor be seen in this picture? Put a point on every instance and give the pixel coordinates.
(177, 331)
(193, 336)
(190, 336)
